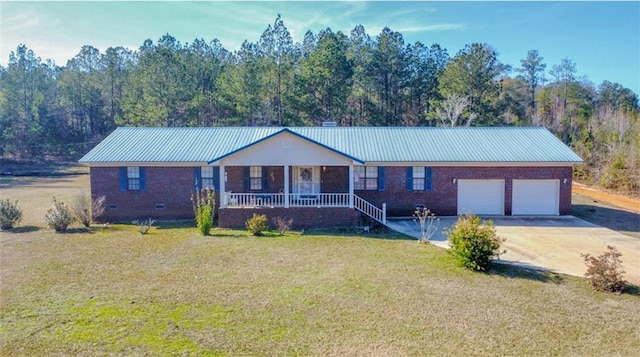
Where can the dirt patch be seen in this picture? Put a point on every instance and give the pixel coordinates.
(608, 210)
(624, 202)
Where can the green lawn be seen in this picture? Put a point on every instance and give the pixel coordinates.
(112, 291)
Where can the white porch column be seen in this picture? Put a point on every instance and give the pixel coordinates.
(286, 186)
(350, 185)
(223, 195)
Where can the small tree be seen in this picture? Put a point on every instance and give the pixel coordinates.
(58, 217)
(257, 224)
(605, 273)
(474, 243)
(86, 210)
(204, 205)
(10, 214)
(428, 223)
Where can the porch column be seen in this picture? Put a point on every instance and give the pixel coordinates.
(286, 186)
(222, 177)
(350, 185)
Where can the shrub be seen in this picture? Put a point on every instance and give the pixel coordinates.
(605, 273)
(474, 243)
(282, 224)
(428, 223)
(86, 210)
(58, 217)
(204, 208)
(144, 225)
(10, 214)
(257, 224)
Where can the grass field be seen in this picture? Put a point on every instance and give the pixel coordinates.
(110, 290)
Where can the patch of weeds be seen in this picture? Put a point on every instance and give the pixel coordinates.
(144, 225)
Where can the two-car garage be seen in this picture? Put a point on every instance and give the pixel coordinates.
(528, 197)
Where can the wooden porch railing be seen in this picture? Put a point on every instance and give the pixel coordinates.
(278, 199)
(232, 199)
(370, 210)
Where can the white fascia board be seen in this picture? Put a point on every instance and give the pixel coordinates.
(472, 164)
(145, 164)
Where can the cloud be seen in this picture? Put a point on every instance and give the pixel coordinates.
(22, 21)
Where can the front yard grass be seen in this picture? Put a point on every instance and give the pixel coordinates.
(110, 290)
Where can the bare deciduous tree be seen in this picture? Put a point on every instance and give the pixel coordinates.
(451, 111)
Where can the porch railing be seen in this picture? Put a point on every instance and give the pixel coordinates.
(254, 199)
(370, 210)
(278, 200)
(232, 199)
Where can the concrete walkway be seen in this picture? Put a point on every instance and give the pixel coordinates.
(550, 243)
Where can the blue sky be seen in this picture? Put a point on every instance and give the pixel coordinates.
(602, 38)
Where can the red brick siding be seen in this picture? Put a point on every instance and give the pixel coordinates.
(442, 199)
(334, 179)
(172, 186)
(303, 217)
(235, 179)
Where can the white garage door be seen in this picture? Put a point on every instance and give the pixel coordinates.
(481, 197)
(535, 197)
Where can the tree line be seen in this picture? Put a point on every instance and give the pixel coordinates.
(351, 79)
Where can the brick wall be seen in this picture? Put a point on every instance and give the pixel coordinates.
(172, 188)
(442, 199)
(334, 179)
(167, 186)
(303, 217)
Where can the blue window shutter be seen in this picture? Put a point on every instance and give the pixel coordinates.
(265, 178)
(427, 179)
(143, 181)
(123, 179)
(216, 178)
(409, 178)
(380, 178)
(245, 178)
(197, 179)
(346, 174)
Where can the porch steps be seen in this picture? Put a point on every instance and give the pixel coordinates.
(370, 210)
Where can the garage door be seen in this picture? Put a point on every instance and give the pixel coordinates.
(481, 197)
(535, 197)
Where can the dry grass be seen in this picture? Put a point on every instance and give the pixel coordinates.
(110, 290)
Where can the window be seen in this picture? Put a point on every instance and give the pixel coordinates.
(207, 177)
(133, 178)
(418, 178)
(365, 177)
(255, 178)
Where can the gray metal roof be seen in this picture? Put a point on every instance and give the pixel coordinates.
(365, 144)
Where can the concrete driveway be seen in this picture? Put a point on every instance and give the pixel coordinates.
(551, 243)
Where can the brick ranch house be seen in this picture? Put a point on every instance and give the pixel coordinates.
(331, 175)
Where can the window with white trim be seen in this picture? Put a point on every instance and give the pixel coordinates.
(133, 178)
(207, 177)
(418, 178)
(365, 177)
(255, 178)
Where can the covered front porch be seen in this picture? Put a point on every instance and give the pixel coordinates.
(285, 171)
(271, 187)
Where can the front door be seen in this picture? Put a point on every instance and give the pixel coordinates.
(305, 180)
